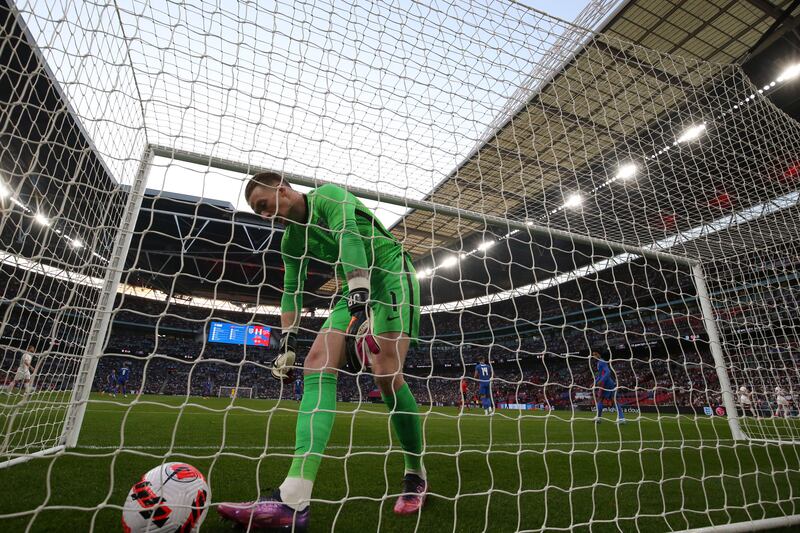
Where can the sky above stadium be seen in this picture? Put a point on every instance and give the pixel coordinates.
(401, 148)
(387, 96)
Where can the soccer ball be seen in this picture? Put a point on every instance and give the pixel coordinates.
(360, 347)
(173, 497)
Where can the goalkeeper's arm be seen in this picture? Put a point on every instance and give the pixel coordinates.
(291, 303)
(339, 210)
(283, 364)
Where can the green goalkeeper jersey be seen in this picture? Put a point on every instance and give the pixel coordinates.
(340, 231)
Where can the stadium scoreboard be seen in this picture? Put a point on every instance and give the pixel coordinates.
(249, 335)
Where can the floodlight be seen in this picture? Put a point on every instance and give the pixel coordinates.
(692, 133)
(626, 171)
(573, 200)
(41, 219)
(450, 261)
(790, 72)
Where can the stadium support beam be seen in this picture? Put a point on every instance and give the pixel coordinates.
(644, 68)
(424, 205)
(102, 317)
(783, 24)
(767, 8)
(716, 352)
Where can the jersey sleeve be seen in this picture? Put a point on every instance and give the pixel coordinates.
(294, 277)
(338, 209)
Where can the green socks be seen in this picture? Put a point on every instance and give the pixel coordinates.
(407, 427)
(314, 424)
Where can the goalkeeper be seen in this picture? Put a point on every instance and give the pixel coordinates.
(606, 388)
(380, 302)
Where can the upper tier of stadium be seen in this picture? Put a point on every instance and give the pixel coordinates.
(554, 137)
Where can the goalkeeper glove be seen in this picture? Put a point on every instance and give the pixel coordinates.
(360, 345)
(282, 365)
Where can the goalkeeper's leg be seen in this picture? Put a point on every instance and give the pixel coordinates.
(395, 323)
(599, 403)
(387, 366)
(620, 412)
(289, 505)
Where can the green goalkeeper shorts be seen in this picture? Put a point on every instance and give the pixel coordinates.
(394, 300)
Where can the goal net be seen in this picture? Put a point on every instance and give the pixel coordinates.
(590, 237)
(60, 214)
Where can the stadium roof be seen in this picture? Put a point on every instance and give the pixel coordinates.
(545, 143)
(567, 139)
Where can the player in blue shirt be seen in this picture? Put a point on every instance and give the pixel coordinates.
(208, 387)
(122, 379)
(483, 373)
(111, 383)
(298, 388)
(606, 388)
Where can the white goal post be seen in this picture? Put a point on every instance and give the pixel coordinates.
(98, 332)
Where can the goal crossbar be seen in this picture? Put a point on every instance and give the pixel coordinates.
(424, 205)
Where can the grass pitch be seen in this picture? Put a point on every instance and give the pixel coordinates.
(503, 473)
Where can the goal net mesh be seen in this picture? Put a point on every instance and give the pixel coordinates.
(559, 192)
(60, 214)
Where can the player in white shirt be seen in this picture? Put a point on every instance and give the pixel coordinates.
(25, 370)
(783, 402)
(745, 398)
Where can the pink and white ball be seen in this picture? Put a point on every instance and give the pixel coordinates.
(172, 497)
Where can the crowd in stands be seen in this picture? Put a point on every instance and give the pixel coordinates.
(558, 381)
(140, 344)
(538, 344)
(175, 316)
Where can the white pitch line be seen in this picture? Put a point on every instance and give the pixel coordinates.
(430, 417)
(470, 447)
(179, 411)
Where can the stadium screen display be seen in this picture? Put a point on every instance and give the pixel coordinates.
(239, 334)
